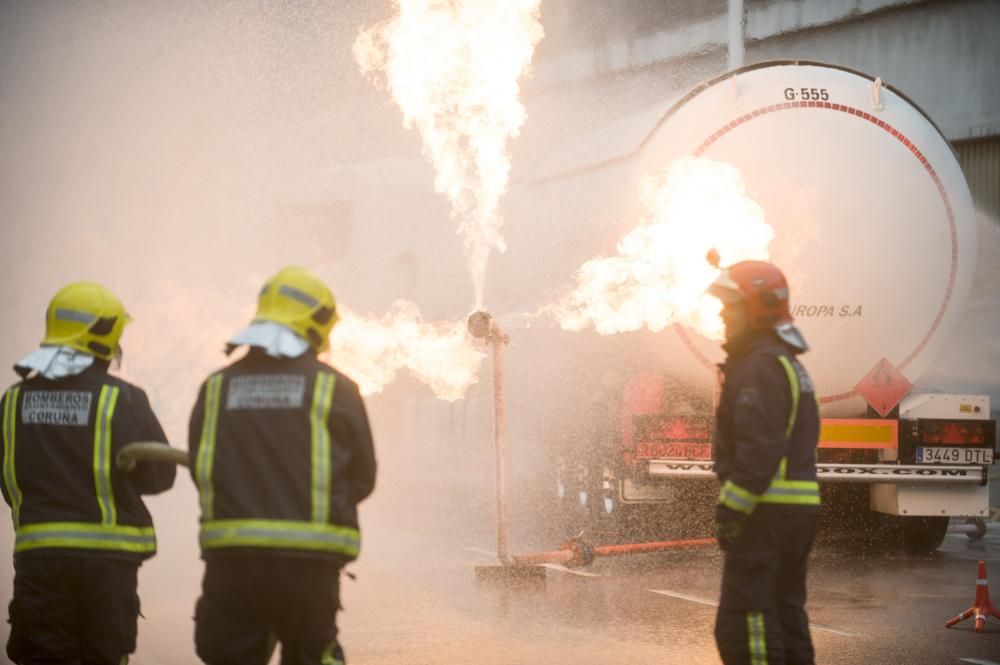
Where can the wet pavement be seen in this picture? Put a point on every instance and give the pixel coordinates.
(866, 607)
(416, 600)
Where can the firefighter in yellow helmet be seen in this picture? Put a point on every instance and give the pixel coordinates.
(282, 453)
(81, 528)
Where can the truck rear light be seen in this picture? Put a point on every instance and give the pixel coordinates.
(662, 428)
(962, 433)
(662, 436)
(939, 441)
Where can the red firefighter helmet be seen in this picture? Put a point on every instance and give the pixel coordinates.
(765, 291)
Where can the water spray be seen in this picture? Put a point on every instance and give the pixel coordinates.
(574, 552)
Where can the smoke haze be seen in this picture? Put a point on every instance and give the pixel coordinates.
(179, 153)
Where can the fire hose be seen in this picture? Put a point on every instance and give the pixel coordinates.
(574, 552)
(149, 450)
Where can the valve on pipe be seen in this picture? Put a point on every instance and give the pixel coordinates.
(483, 326)
(479, 324)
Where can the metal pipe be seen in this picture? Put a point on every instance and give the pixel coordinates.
(498, 340)
(965, 528)
(485, 327)
(737, 26)
(562, 557)
(974, 527)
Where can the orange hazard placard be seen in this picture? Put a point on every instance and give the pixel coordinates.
(883, 386)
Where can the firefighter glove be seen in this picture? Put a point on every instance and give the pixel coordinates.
(729, 525)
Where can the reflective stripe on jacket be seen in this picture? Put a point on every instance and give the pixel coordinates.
(281, 453)
(768, 428)
(60, 439)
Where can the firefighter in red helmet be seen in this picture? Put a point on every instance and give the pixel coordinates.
(767, 432)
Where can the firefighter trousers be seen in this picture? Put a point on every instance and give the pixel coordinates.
(73, 610)
(249, 603)
(762, 618)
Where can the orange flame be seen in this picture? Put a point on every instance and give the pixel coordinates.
(371, 351)
(453, 67)
(660, 274)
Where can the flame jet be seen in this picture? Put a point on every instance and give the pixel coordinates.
(453, 67)
(372, 351)
(660, 273)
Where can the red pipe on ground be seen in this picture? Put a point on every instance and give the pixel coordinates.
(644, 548)
(576, 553)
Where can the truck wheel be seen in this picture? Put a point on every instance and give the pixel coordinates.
(921, 535)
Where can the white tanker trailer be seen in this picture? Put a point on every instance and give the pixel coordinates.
(876, 231)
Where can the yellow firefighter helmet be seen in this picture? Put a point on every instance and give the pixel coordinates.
(86, 317)
(298, 299)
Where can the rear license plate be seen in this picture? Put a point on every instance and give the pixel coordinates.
(954, 455)
(673, 451)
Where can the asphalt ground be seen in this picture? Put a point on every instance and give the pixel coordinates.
(416, 599)
(866, 606)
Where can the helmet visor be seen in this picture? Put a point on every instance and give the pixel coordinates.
(727, 295)
(725, 288)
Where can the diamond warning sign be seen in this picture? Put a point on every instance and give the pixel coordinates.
(883, 386)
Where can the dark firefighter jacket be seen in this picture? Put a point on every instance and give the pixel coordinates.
(768, 426)
(65, 492)
(282, 454)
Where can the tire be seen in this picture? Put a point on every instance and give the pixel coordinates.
(921, 535)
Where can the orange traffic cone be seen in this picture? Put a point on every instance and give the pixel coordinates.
(981, 607)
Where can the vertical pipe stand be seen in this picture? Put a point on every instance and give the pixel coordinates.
(485, 327)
